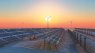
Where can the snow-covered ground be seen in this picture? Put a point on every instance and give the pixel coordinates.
(68, 45)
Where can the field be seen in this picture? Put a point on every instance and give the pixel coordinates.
(47, 40)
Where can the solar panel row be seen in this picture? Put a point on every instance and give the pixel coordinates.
(86, 38)
(10, 35)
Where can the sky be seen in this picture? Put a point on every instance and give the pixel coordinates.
(32, 13)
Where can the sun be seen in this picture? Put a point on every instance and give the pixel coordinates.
(48, 18)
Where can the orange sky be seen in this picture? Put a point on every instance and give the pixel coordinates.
(27, 15)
